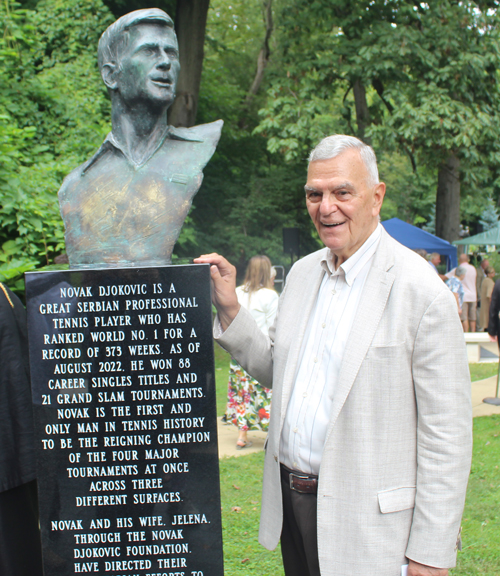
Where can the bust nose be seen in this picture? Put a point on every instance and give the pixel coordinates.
(164, 61)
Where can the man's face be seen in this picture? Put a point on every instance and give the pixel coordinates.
(485, 264)
(436, 260)
(342, 203)
(149, 66)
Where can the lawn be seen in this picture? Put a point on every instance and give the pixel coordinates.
(241, 487)
(483, 370)
(221, 377)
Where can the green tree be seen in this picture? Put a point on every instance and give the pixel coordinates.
(421, 79)
(248, 194)
(54, 112)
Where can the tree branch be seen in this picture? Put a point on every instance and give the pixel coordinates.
(264, 54)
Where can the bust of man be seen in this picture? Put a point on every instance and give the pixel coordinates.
(126, 205)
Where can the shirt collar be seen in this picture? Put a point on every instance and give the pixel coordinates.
(353, 265)
(111, 142)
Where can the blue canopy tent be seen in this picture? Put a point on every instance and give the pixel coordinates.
(417, 239)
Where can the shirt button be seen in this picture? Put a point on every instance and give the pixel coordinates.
(323, 325)
(315, 360)
(295, 429)
(334, 292)
(295, 465)
(305, 394)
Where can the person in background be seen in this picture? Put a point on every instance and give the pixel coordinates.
(468, 315)
(421, 252)
(249, 403)
(487, 286)
(434, 261)
(481, 275)
(20, 547)
(494, 314)
(455, 285)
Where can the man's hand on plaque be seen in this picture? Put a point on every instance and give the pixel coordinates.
(224, 297)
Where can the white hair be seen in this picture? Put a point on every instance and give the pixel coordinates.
(333, 146)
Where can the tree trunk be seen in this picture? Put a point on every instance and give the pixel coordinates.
(362, 112)
(448, 199)
(264, 53)
(190, 24)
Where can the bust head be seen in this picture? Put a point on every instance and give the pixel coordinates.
(138, 58)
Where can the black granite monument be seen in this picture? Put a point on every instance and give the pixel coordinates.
(124, 404)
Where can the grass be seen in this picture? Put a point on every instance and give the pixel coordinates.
(222, 359)
(241, 483)
(483, 370)
(241, 486)
(481, 521)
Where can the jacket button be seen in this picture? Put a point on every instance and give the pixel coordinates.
(275, 458)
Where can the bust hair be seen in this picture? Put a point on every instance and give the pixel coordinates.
(460, 271)
(258, 274)
(489, 270)
(333, 146)
(116, 37)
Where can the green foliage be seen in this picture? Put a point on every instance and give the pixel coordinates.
(430, 71)
(489, 216)
(53, 115)
(248, 194)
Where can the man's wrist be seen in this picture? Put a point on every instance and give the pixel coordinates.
(227, 315)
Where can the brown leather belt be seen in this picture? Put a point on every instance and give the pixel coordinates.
(299, 481)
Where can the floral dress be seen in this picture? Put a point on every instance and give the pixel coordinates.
(249, 403)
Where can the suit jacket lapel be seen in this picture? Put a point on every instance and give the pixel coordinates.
(371, 307)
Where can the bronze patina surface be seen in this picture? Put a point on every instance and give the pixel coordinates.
(127, 204)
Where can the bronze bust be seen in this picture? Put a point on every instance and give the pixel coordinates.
(126, 205)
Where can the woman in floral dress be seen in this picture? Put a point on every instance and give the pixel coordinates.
(249, 403)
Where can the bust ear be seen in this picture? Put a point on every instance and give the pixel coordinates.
(109, 74)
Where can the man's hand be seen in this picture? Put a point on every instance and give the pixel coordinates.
(492, 338)
(416, 569)
(223, 287)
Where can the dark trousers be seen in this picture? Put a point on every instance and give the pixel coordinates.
(20, 547)
(299, 540)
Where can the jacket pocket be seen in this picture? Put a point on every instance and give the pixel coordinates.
(397, 499)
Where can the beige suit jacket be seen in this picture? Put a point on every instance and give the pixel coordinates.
(397, 453)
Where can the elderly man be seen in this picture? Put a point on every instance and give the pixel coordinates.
(369, 443)
(434, 261)
(127, 204)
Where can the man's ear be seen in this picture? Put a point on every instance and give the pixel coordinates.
(378, 197)
(109, 74)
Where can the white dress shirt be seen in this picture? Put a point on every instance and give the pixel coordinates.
(308, 412)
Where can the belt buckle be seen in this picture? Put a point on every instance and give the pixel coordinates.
(294, 475)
